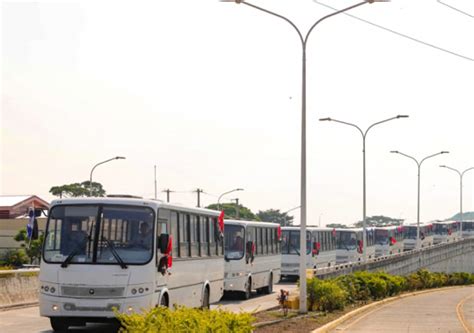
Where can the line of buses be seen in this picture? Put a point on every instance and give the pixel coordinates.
(126, 254)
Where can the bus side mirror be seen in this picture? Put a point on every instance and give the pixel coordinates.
(38, 212)
(163, 242)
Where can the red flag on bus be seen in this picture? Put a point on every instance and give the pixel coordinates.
(221, 221)
(279, 233)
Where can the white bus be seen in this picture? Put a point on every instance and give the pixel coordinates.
(468, 228)
(252, 256)
(388, 240)
(128, 254)
(350, 245)
(426, 236)
(320, 249)
(444, 232)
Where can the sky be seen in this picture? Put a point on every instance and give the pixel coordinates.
(210, 93)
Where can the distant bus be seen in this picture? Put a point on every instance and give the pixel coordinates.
(350, 245)
(388, 240)
(128, 254)
(320, 249)
(426, 236)
(468, 228)
(252, 256)
(444, 232)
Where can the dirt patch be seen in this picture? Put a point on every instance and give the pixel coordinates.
(295, 323)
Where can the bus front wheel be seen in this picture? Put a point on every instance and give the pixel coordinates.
(59, 324)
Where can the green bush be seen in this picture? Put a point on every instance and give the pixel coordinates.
(325, 295)
(182, 319)
(16, 257)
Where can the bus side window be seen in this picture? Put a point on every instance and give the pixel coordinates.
(271, 240)
(174, 233)
(212, 237)
(163, 218)
(266, 240)
(203, 236)
(194, 232)
(183, 235)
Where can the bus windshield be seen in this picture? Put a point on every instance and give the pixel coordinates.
(381, 237)
(410, 232)
(290, 243)
(347, 240)
(99, 234)
(234, 242)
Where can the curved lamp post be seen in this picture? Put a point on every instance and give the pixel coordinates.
(461, 175)
(418, 201)
(95, 166)
(220, 196)
(303, 40)
(364, 135)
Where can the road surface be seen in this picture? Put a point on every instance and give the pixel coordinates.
(446, 311)
(27, 320)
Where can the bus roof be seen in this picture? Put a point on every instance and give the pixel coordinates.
(308, 228)
(156, 204)
(251, 223)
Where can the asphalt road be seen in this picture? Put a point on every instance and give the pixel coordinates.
(446, 311)
(27, 320)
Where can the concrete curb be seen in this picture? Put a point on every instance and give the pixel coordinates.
(333, 324)
(18, 306)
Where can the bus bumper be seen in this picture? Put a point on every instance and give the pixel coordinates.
(56, 306)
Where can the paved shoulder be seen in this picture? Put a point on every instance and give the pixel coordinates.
(438, 311)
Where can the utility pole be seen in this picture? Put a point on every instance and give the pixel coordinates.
(199, 191)
(168, 191)
(237, 212)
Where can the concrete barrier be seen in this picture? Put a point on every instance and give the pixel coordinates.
(18, 287)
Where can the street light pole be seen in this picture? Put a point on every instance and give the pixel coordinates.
(461, 175)
(220, 196)
(95, 166)
(418, 197)
(364, 182)
(304, 40)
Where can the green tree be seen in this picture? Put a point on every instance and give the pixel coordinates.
(33, 248)
(275, 216)
(230, 211)
(78, 190)
(337, 225)
(379, 221)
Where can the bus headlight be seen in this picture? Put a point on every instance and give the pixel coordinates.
(134, 291)
(130, 309)
(55, 307)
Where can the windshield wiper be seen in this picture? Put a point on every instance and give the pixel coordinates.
(297, 252)
(75, 252)
(115, 253)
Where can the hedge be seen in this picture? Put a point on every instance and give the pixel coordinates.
(183, 319)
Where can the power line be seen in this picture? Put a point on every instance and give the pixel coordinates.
(456, 9)
(399, 33)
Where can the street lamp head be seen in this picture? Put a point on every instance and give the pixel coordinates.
(119, 157)
(372, 1)
(236, 1)
(325, 119)
(394, 151)
(444, 152)
(239, 189)
(443, 166)
(402, 116)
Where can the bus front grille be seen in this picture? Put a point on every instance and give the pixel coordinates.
(108, 308)
(100, 292)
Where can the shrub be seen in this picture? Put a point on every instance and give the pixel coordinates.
(16, 257)
(182, 319)
(325, 295)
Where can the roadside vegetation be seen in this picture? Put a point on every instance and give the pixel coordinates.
(327, 300)
(183, 319)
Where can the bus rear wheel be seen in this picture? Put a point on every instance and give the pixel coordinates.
(59, 324)
(269, 289)
(248, 290)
